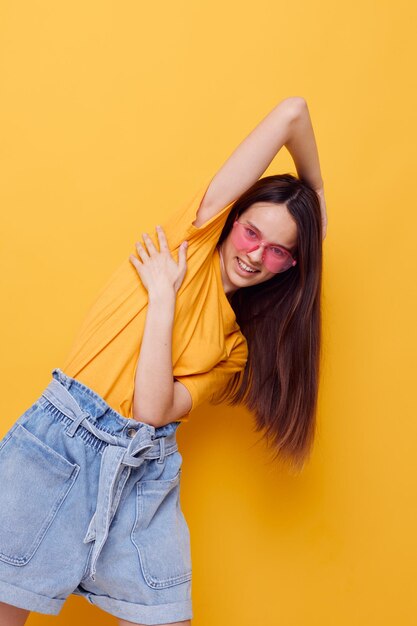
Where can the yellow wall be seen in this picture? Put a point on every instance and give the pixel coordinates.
(111, 114)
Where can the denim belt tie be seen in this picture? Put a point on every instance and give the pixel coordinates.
(118, 459)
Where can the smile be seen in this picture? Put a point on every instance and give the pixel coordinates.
(245, 267)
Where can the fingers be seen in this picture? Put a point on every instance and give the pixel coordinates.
(182, 255)
(135, 262)
(151, 248)
(142, 252)
(163, 243)
(323, 230)
(149, 245)
(145, 254)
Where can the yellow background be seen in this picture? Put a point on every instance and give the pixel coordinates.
(111, 113)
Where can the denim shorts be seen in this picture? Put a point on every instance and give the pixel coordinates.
(90, 505)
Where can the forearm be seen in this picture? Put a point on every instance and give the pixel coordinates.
(154, 382)
(302, 146)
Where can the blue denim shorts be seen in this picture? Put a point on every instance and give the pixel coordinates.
(90, 505)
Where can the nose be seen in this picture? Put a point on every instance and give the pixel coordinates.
(256, 256)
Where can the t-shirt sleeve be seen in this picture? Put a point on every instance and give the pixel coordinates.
(178, 226)
(226, 374)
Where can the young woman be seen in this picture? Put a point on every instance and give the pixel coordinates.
(90, 473)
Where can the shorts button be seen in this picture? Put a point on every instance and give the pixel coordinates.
(131, 432)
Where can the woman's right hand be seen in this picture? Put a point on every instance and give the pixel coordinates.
(158, 271)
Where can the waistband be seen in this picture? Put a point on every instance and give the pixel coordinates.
(129, 443)
(93, 404)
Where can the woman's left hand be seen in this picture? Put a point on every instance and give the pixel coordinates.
(158, 271)
(320, 193)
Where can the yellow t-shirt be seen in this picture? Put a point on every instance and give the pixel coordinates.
(209, 351)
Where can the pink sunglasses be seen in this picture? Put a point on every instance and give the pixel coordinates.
(276, 258)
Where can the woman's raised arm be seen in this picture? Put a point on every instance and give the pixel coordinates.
(287, 124)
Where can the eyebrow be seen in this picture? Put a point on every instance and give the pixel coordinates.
(274, 244)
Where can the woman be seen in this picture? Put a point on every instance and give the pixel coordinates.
(90, 473)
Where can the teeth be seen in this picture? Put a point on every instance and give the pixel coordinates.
(245, 267)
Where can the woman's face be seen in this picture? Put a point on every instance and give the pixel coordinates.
(272, 223)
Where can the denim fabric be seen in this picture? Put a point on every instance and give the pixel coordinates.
(90, 505)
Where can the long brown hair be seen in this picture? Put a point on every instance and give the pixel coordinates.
(281, 320)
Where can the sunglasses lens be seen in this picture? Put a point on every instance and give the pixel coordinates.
(243, 241)
(240, 238)
(276, 265)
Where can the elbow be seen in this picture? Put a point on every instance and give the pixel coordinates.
(151, 420)
(297, 105)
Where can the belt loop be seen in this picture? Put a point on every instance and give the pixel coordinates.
(162, 449)
(59, 375)
(71, 430)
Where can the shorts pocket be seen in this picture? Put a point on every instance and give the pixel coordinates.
(161, 534)
(34, 482)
